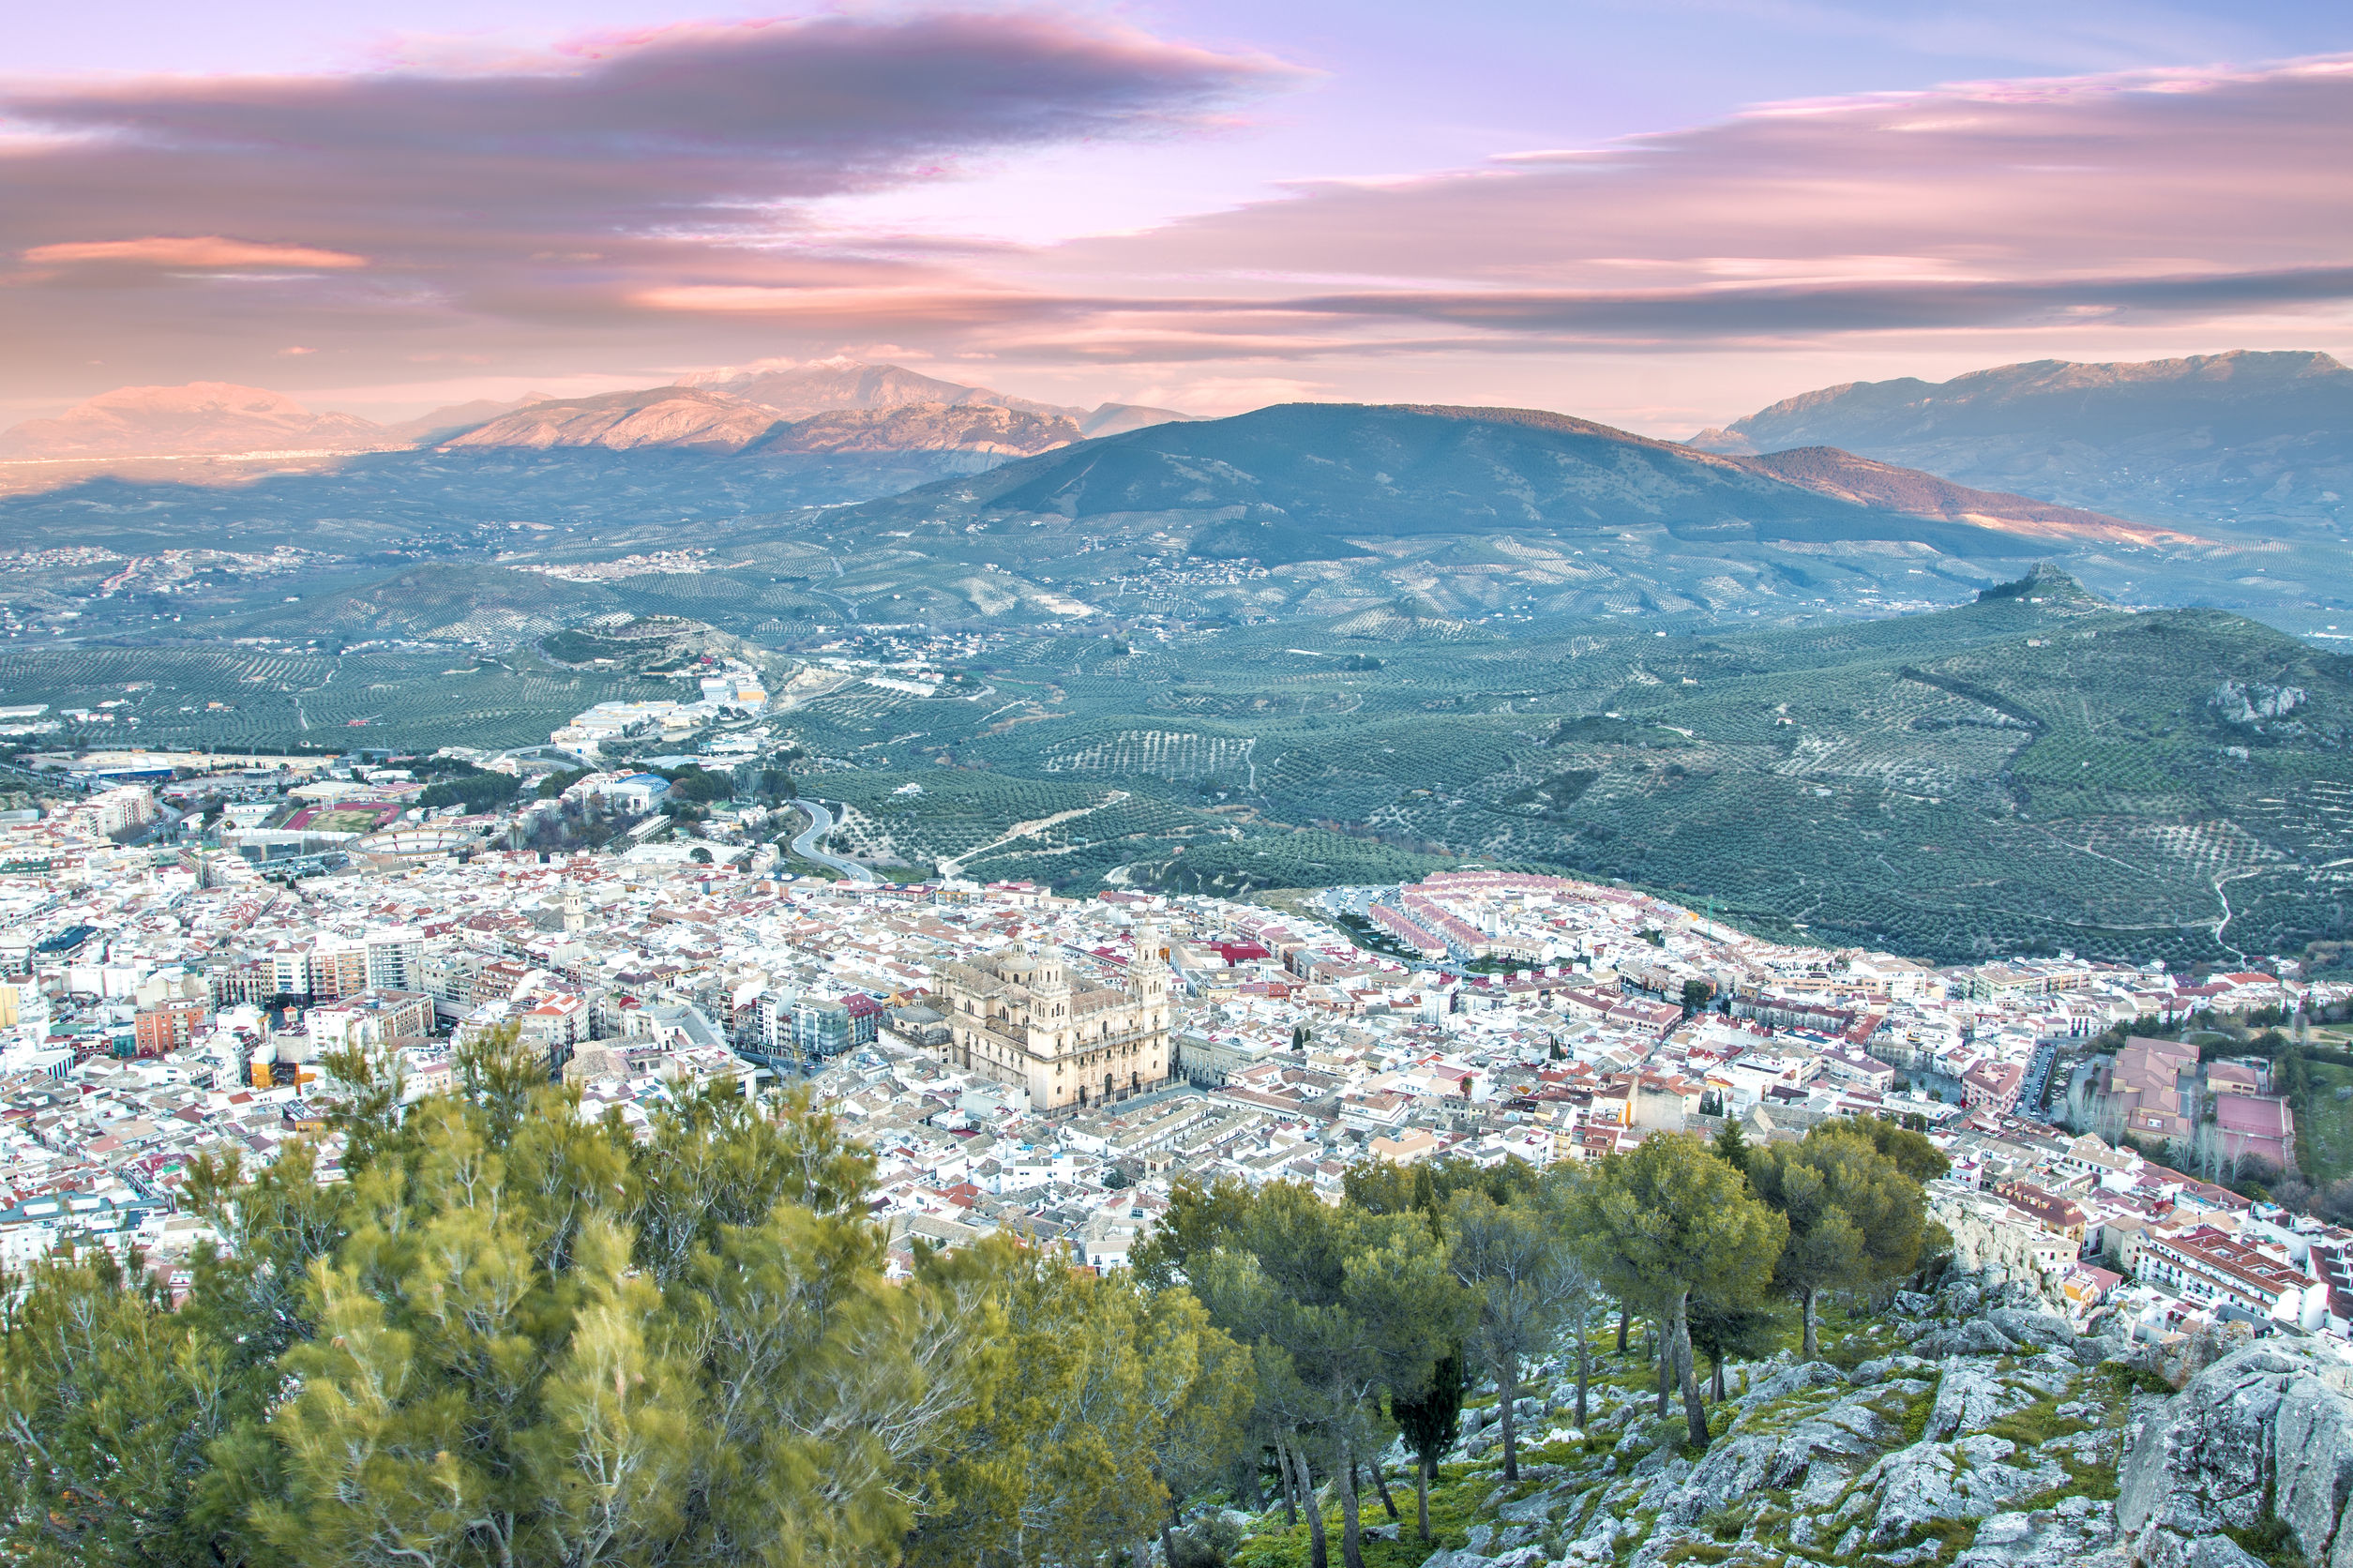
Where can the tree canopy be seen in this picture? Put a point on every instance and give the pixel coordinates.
(520, 1338)
(1343, 1307)
(1666, 1221)
(516, 1336)
(1855, 1218)
(1515, 1261)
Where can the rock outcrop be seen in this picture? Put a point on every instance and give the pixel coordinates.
(2022, 1444)
(2259, 1441)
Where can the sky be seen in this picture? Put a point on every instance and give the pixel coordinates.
(1662, 214)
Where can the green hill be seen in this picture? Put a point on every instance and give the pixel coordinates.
(1404, 470)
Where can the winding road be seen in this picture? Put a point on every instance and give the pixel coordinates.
(820, 823)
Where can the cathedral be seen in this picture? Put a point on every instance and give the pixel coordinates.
(1015, 1017)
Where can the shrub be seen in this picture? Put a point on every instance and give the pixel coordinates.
(1210, 1542)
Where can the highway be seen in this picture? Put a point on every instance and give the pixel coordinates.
(820, 823)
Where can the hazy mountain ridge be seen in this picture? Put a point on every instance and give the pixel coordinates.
(203, 416)
(699, 419)
(802, 390)
(1827, 471)
(455, 418)
(985, 427)
(2255, 438)
(829, 386)
(873, 408)
(685, 418)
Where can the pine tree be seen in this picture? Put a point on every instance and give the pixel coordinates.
(1670, 1219)
(1106, 1403)
(1854, 1218)
(1731, 1145)
(1512, 1259)
(1341, 1308)
(1721, 1331)
(1430, 1418)
(516, 1336)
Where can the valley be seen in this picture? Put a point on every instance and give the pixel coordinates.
(1313, 645)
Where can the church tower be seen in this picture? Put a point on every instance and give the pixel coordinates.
(1148, 971)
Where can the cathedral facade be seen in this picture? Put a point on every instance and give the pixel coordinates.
(1016, 1017)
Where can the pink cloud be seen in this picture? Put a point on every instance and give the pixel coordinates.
(2142, 196)
(654, 198)
(194, 251)
(843, 306)
(518, 205)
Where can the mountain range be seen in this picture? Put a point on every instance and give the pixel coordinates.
(702, 420)
(1458, 513)
(844, 407)
(2256, 442)
(1408, 520)
(834, 385)
(1317, 473)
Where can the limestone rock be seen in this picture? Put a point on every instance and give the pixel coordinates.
(2078, 1533)
(2313, 1464)
(2271, 1420)
(1660, 1546)
(1599, 1544)
(2052, 1373)
(1791, 1380)
(2093, 1349)
(2032, 1326)
(1818, 1454)
(1972, 1479)
(1466, 1558)
(1971, 1399)
(2179, 1361)
(1883, 1369)
(1975, 1336)
(2208, 1552)
(1534, 1510)
(1732, 1468)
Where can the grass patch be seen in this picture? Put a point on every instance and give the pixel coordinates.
(1727, 1521)
(2324, 1126)
(1914, 1421)
(2269, 1537)
(2037, 1425)
(1953, 1537)
(1458, 1495)
(2127, 1381)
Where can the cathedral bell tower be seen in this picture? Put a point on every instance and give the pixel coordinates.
(1147, 973)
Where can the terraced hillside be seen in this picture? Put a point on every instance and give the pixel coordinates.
(2033, 772)
(236, 698)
